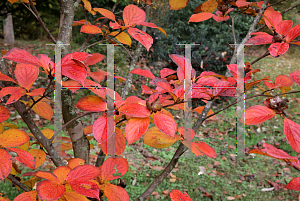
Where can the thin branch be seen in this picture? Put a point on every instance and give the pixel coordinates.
(267, 53)
(100, 158)
(18, 183)
(41, 21)
(68, 123)
(275, 3)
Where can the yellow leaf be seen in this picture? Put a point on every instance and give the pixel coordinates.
(1, 128)
(122, 37)
(9, 125)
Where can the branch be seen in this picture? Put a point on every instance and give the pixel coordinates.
(275, 3)
(18, 183)
(41, 21)
(68, 123)
(267, 53)
(180, 150)
(252, 27)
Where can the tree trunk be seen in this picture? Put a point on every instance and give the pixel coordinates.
(80, 143)
(8, 29)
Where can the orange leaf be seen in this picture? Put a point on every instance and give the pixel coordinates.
(157, 139)
(28, 196)
(165, 124)
(292, 134)
(108, 14)
(200, 148)
(257, 114)
(200, 109)
(5, 165)
(88, 130)
(177, 4)
(26, 74)
(176, 195)
(36, 92)
(4, 114)
(81, 22)
(90, 29)
(13, 138)
(91, 103)
(61, 173)
(135, 128)
(120, 143)
(199, 17)
(113, 192)
(74, 196)
(39, 156)
(6, 78)
(208, 6)
(43, 109)
(113, 168)
(74, 162)
(283, 81)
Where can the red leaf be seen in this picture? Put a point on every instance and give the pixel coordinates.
(86, 188)
(91, 103)
(145, 39)
(294, 184)
(6, 78)
(143, 72)
(100, 129)
(177, 4)
(4, 114)
(16, 93)
(260, 40)
(26, 74)
(257, 114)
(135, 128)
(296, 76)
(97, 76)
(113, 192)
(179, 92)
(292, 134)
(199, 17)
(146, 89)
(277, 49)
(90, 29)
(21, 56)
(83, 172)
(120, 143)
(5, 165)
(165, 72)
(50, 191)
(176, 195)
(95, 58)
(199, 148)
(284, 27)
(24, 157)
(283, 81)
(28, 196)
(106, 13)
(165, 124)
(113, 168)
(293, 33)
(133, 15)
(46, 63)
(135, 110)
(220, 18)
(274, 17)
(71, 85)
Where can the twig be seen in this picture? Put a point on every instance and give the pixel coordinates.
(68, 123)
(275, 3)
(267, 53)
(41, 21)
(18, 183)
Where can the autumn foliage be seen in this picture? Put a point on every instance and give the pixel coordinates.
(149, 119)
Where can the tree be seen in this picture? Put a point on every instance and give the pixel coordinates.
(79, 180)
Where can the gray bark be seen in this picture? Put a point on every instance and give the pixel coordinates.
(8, 29)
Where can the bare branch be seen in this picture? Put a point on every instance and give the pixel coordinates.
(18, 183)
